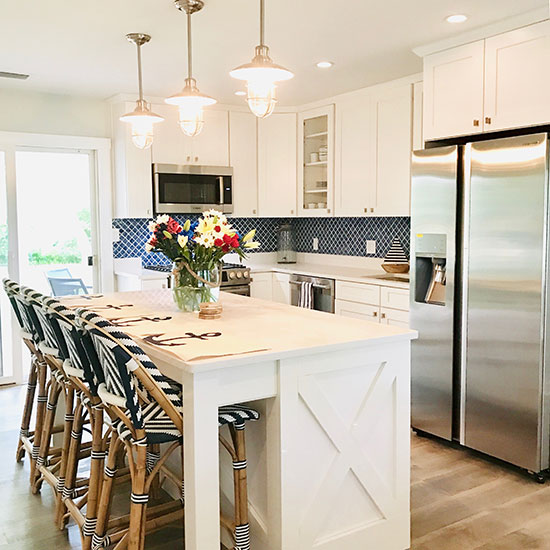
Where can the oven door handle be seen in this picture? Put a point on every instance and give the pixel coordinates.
(220, 181)
(322, 287)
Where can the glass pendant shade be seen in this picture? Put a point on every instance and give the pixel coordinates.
(190, 102)
(261, 74)
(142, 120)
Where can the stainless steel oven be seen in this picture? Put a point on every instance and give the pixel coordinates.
(187, 189)
(323, 292)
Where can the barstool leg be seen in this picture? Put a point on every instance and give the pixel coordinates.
(41, 401)
(27, 411)
(96, 470)
(99, 539)
(242, 528)
(68, 425)
(139, 498)
(46, 437)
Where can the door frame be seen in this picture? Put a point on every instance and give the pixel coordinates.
(100, 170)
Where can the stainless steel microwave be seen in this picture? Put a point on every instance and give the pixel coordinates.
(191, 189)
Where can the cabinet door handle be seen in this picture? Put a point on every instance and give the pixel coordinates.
(365, 210)
(328, 210)
(476, 122)
(292, 211)
(188, 158)
(383, 316)
(487, 120)
(253, 211)
(372, 210)
(375, 314)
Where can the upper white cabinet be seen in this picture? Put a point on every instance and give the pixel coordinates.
(354, 196)
(277, 157)
(391, 144)
(316, 162)
(131, 169)
(453, 91)
(210, 147)
(243, 159)
(517, 78)
(494, 84)
(373, 147)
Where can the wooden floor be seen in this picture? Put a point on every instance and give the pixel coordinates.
(459, 501)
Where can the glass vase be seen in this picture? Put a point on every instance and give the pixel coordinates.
(189, 291)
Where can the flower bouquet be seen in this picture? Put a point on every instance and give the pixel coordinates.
(197, 249)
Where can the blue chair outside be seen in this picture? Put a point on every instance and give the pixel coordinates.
(67, 286)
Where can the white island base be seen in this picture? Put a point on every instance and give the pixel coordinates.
(329, 459)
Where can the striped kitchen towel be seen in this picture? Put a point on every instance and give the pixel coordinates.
(305, 299)
(396, 254)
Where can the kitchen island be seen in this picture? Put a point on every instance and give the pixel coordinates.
(329, 460)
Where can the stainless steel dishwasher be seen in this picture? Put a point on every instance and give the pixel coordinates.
(323, 292)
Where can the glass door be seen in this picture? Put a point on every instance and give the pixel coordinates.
(55, 219)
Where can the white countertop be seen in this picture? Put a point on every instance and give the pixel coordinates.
(340, 273)
(248, 329)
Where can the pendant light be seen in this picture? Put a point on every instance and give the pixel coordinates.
(261, 74)
(141, 118)
(190, 101)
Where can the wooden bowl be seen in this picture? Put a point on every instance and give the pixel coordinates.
(396, 268)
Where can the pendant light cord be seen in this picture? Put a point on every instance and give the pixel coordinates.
(189, 46)
(262, 22)
(140, 75)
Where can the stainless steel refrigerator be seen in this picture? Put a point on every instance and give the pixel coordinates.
(479, 278)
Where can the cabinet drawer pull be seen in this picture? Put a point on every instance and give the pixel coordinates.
(188, 158)
(383, 315)
(375, 314)
(487, 120)
(196, 159)
(253, 211)
(476, 122)
(372, 210)
(365, 210)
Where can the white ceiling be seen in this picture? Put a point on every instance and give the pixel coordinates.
(79, 48)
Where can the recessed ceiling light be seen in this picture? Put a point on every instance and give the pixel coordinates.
(240, 92)
(325, 64)
(458, 18)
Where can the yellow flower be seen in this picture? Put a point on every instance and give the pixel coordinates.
(182, 240)
(167, 235)
(252, 244)
(187, 225)
(249, 236)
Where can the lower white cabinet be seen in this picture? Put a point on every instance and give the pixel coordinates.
(281, 288)
(262, 286)
(357, 311)
(394, 317)
(382, 304)
(127, 283)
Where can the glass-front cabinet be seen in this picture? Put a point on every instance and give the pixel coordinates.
(316, 152)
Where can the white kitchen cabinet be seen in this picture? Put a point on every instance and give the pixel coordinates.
(418, 105)
(128, 283)
(131, 169)
(394, 317)
(209, 148)
(243, 159)
(316, 162)
(517, 80)
(277, 156)
(262, 286)
(354, 195)
(281, 288)
(389, 162)
(357, 311)
(357, 292)
(453, 91)
(396, 298)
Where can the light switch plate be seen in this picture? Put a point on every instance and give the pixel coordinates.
(315, 243)
(371, 247)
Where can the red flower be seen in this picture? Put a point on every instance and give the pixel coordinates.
(225, 248)
(227, 239)
(153, 242)
(218, 242)
(217, 229)
(173, 226)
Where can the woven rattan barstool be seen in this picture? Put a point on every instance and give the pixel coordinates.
(149, 411)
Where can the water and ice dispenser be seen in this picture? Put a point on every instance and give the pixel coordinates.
(431, 264)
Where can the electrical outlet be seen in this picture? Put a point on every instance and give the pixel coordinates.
(371, 247)
(315, 243)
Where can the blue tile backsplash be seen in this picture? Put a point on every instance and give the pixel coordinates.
(341, 236)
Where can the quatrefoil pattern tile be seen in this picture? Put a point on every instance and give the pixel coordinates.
(341, 236)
